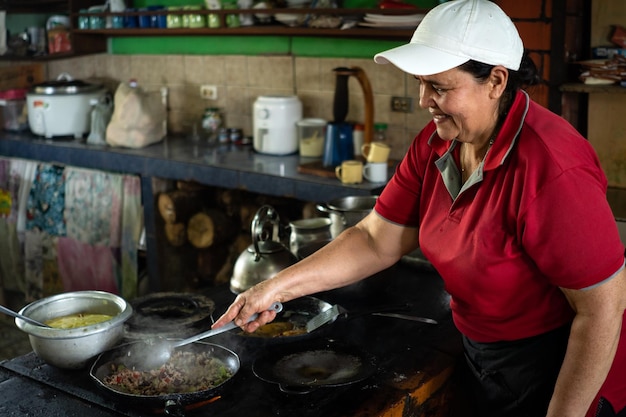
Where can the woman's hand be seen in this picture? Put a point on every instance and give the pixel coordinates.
(257, 299)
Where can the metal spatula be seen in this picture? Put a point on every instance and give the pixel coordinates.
(322, 318)
(154, 353)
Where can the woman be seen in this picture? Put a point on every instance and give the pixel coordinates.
(508, 202)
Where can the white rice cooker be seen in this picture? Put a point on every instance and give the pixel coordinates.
(274, 124)
(62, 107)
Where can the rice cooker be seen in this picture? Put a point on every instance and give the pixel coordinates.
(62, 107)
(274, 124)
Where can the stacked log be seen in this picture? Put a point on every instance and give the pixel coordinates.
(208, 228)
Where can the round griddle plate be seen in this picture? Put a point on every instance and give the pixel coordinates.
(169, 314)
(303, 367)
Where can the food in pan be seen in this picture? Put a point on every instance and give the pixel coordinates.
(185, 372)
(73, 321)
(279, 329)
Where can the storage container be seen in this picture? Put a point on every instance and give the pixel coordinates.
(14, 114)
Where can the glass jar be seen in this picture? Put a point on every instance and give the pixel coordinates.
(212, 122)
(83, 19)
(380, 132)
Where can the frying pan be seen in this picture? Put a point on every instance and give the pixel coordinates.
(299, 311)
(304, 367)
(171, 404)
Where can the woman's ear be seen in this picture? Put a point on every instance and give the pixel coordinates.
(498, 79)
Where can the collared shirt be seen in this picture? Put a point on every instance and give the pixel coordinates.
(532, 218)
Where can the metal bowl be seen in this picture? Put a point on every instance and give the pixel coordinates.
(73, 348)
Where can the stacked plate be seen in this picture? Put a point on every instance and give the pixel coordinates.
(392, 21)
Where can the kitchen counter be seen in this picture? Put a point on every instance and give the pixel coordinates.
(178, 158)
(414, 362)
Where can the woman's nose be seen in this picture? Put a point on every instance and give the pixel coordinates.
(425, 100)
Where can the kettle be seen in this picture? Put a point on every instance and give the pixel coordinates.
(265, 257)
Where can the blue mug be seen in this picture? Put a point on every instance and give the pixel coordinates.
(338, 145)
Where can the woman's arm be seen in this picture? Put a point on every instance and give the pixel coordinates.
(592, 345)
(359, 252)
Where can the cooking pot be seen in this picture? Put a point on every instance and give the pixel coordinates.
(347, 211)
(62, 107)
(305, 231)
(265, 257)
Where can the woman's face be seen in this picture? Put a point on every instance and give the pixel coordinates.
(462, 107)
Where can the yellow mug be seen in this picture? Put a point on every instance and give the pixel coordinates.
(375, 151)
(350, 172)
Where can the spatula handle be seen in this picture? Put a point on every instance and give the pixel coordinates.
(277, 307)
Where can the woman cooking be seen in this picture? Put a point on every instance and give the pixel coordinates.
(508, 202)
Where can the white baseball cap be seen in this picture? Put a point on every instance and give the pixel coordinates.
(455, 32)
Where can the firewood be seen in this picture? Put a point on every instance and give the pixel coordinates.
(210, 262)
(246, 214)
(175, 233)
(209, 227)
(179, 205)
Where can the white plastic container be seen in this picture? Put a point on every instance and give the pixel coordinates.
(274, 124)
(311, 133)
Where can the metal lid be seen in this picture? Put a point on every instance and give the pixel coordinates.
(64, 85)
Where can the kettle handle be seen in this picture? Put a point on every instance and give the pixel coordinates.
(265, 214)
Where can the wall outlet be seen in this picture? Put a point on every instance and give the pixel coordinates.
(402, 104)
(208, 92)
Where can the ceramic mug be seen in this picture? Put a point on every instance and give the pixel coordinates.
(375, 171)
(375, 152)
(350, 172)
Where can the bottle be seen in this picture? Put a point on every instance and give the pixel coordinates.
(357, 138)
(380, 132)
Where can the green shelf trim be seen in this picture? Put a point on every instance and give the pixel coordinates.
(245, 45)
(340, 47)
(201, 45)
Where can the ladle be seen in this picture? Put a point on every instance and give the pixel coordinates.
(12, 313)
(153, 353)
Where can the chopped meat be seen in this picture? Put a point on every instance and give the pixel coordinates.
(185, 372)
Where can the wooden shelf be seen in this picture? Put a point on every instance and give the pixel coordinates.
(592, 89)
(274, 29)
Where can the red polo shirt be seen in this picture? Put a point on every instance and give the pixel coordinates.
(533, 218)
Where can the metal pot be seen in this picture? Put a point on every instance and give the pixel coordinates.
(347, 211)
(265, 257)
(305, 231)
(62, 107)
(74, 348)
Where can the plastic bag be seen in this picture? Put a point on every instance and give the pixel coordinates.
(100, 117)
(137, 119)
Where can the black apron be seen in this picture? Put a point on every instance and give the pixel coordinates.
(514, 378)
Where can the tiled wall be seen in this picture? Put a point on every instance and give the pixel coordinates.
(241, 79)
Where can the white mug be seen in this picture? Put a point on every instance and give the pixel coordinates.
(375, 171)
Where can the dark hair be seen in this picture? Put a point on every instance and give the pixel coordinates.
(526, 76)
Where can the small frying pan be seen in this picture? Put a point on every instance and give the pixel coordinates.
(304, 367)
(296, 313)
